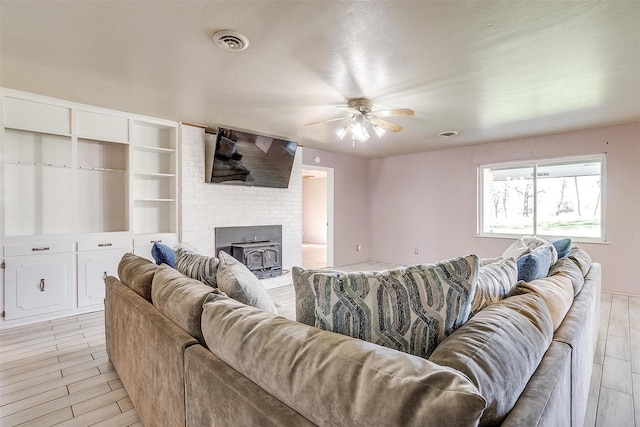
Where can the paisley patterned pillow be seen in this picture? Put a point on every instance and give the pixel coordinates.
(411, 309)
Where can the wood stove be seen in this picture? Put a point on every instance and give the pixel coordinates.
(258, 247)
(261, 258)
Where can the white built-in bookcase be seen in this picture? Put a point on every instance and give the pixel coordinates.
(81, 186)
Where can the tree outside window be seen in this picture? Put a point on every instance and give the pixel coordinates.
(559, 197)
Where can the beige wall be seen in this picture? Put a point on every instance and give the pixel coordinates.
(351, 211)
(428, 200)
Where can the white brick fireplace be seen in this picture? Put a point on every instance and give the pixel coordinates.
(205, 206)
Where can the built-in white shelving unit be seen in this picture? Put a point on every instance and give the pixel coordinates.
(81, 186)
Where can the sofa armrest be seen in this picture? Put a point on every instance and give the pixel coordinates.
(147, 351)
(544, 400)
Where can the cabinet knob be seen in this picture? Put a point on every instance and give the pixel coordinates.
(104, 245)
(41, 285)
(42, 248)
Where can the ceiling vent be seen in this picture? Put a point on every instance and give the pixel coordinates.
(231, 40)
(448, 133)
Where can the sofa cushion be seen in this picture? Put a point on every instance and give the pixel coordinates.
(137, 273)
(235, 280)
(536, 263)
(581, 258)
(563, 246)
(180, 298)
(556, 291)
(335, 380)
(498, 350)
(567, 267)
(163, 254)
(410, 309)
(494, 282)
(196, 266)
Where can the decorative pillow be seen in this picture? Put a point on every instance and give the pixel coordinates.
(486, 261)
(235, 280)
(494, 282)
(516, 250)
(556, 291)
(498, 350)
(137, 273)
(410, 309)
(163, 254)
(563, 246)
(196, 266)
(305, 298)
(180, 298)
(536, 264)
(525, 245)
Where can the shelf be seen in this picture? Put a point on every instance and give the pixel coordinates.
(154, 149)
(154, 175)
(53, 165)
(88, 168)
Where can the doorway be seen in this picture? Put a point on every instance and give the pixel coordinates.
(317, 217)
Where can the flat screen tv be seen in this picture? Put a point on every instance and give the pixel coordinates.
(236, 157)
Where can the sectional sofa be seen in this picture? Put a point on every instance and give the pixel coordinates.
(190, 356)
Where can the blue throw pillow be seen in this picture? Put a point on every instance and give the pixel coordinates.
(535, 264)
(563, 246)
(163, 254)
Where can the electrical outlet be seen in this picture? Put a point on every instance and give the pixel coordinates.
(415, 251)
(358, 248)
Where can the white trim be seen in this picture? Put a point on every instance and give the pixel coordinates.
(534, 163)
(330, 207)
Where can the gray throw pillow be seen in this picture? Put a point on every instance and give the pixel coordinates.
(196, 266)
(235, 280)
(410, 309)
(494, 282)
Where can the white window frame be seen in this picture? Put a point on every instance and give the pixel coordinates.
(533, 163)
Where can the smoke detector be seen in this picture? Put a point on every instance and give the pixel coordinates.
(231, 40)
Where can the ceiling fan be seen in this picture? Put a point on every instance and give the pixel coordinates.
(361, 117)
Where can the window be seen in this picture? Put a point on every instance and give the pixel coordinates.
(558, 197)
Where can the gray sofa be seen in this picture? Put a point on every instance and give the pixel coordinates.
(189, 356)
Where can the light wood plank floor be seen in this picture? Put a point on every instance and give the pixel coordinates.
(57, 373)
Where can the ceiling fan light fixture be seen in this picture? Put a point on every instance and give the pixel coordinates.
(378, 130)
(359, 132)
(342, 132)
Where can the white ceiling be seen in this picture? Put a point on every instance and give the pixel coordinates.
(492, 70)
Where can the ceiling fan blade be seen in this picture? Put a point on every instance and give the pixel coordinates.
(394, 112)
(386, 125)
(327, 121)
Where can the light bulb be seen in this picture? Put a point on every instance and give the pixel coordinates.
(378, 130)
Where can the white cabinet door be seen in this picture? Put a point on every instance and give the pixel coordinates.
(93, 269)
(38, 284)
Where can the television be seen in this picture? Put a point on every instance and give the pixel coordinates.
(234, 157)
